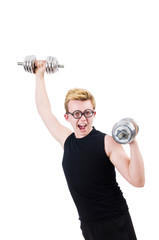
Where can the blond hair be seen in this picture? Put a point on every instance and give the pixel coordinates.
(79, 94)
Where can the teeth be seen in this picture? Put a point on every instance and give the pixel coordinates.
(82, 126)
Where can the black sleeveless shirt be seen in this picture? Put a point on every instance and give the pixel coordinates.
(91, 178)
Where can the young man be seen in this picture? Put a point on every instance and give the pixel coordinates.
(89, 162)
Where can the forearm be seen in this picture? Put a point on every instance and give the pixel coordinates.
(136, 165)
(42, 100)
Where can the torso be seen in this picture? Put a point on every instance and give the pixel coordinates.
(91, 178)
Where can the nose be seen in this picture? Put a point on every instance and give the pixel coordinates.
(83, 117)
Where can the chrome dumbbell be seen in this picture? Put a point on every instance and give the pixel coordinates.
(30, 63)
(125, 131)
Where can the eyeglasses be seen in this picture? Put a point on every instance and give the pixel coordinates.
(77, 114)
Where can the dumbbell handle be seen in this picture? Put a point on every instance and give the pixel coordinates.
(59, 65)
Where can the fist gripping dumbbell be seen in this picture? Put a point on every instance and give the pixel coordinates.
(125, 131)
(30, 64)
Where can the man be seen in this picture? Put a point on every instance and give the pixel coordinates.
(89, 162)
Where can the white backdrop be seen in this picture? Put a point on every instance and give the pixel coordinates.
(109, 47)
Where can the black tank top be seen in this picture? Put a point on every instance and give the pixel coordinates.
(91, 178)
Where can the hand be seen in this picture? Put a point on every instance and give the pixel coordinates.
(40, 67)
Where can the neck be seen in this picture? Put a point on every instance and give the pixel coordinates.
(81, 134)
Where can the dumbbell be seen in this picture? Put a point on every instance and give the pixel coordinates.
(30, 63)
(125, 131)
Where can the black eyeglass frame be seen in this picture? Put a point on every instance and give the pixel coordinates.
(81, 113)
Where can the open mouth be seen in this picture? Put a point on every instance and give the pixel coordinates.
(82, 126)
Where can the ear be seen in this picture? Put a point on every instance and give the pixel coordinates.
(66, 116)
(94, 113)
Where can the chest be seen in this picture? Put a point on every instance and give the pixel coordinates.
(86, 162)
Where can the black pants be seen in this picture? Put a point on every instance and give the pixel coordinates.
(117, 229)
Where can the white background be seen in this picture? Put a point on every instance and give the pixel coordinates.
(108, 47)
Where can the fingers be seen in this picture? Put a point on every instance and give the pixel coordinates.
(40, 67)
(40, 63)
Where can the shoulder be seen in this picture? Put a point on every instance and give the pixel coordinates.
(69, 138)
(97, 132)
(110, 145)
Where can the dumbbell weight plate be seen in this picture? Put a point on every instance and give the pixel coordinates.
(51, 64)
(29, 63)
(125, 131)
(25, 63)
(121, 134)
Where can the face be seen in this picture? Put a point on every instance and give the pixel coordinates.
(83, 126)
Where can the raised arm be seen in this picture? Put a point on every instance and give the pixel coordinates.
(58, 131)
